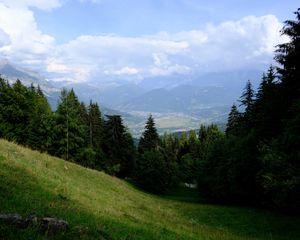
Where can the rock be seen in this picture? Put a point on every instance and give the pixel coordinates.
(47, 225)
(32, 219)
(52, 226)
(14, 220)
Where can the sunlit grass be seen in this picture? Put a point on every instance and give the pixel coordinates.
(99, 206)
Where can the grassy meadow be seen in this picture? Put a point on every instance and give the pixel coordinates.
(99, 206)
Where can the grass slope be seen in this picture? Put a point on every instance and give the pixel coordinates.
(99, 206)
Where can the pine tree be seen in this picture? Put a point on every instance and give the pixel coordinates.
(20, 111)
(95, 124)
(69, 127)
(288, 55)
(118, 147)
(150, 138)
(6, 97)
(233, 120)
(267, 107)
(247, 98)
(40, 128)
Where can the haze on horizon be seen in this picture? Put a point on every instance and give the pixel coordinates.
(105, 40)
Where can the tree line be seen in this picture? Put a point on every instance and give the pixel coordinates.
(256, 160)
(74, 132)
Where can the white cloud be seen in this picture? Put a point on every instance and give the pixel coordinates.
(126, 71)
(247, 43)
(27, 42)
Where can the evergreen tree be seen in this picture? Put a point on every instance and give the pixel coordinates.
(95, 124)
(233, 120)
(20, 110)
(69, 127)
(288, 55)
(118, 147)
(267, 107)
(40, 126)
(5, 109)
(84, 116)
(247, 98)
(151, 171)
(149, 139)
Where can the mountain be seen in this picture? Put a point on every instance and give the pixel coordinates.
(234, 80)
(211, 103)
(12, 72)
(178, 102)
(184, 98)
(110, 96)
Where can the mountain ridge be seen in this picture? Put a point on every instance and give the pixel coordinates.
(183, 101)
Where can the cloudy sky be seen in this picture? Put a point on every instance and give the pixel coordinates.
(82, 40)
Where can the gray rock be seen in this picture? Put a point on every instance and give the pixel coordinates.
(14, 220)
(52, 226)
(47, 225)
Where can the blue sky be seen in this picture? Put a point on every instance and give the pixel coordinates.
(107, 40)
(144, 17)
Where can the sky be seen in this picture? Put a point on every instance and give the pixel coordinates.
(102, 40)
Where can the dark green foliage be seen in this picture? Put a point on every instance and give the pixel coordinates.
(150, 139)
(25, 115)
(279, 179)
(41, 123)
(92, 154)
(151, 169)
(247, 98)
(69, 127)
(95, 126)
(156, 165)
(288, 55)
(187, 170)
(118, 147)
(234, 118)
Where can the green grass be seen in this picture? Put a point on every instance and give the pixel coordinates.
(98, 206)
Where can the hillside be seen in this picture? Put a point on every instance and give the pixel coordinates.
(99, 206)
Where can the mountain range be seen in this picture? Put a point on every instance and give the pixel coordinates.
(178, 103)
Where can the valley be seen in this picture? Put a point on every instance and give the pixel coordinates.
(176, 104)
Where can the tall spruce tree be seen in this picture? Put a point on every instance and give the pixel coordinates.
(150, 138)
(288, 55)
(41, 122)
(69, 127)
(247, 98)
(118, 147)
(5, 109)
(233, 120)
(95, 124)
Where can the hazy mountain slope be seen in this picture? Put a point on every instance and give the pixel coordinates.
(184, 99)
(178, 102)
(98, 206)
(12, 73)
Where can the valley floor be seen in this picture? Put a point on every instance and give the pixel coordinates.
(98, 206)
